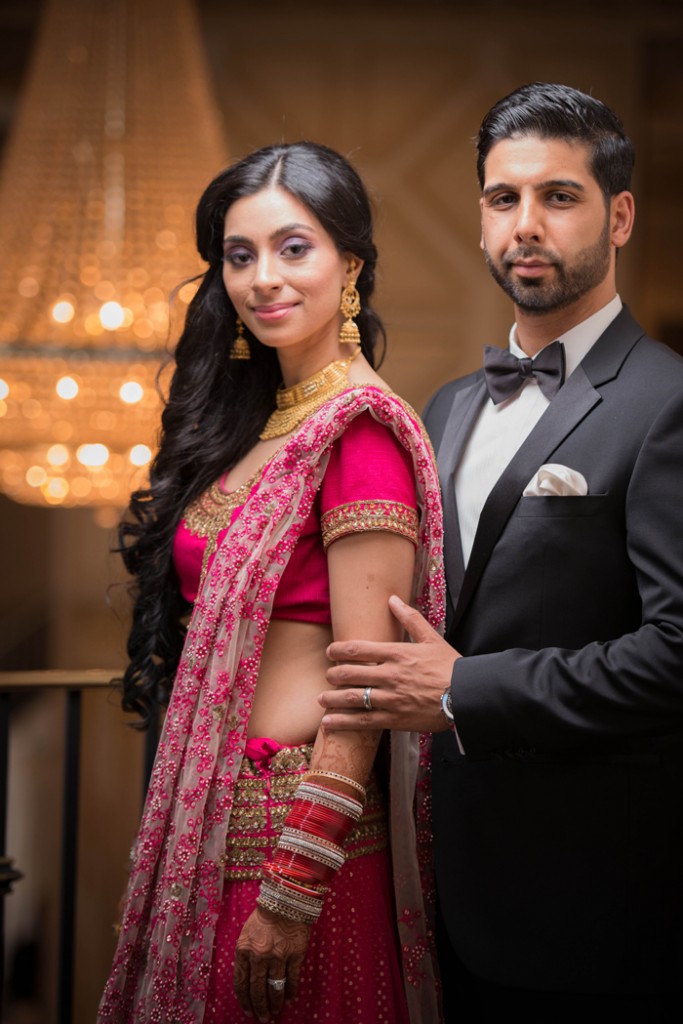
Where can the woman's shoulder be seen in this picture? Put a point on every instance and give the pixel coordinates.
(384, 418)
(368, 459)
(369, 483)
(385, 405)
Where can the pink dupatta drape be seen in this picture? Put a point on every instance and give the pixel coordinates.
(164, 953)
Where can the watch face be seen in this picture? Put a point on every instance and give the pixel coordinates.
(447, 705)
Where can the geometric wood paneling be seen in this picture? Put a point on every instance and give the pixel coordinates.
(401, 90)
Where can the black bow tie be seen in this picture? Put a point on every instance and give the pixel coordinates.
(505, 373)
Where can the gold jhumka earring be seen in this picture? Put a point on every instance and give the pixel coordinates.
(350, 307)
(240, 346)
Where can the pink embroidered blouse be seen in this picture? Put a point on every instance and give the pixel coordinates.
(369, 484)
(169, 923)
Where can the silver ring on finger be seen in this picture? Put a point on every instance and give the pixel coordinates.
(277, 983)
(367, 700)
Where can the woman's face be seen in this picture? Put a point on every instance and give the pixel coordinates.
(284, 274)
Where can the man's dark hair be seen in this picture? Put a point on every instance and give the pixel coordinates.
(560, 112)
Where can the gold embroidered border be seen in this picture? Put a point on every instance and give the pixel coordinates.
(258, 816)
(246, 854)
(362, 516)
(211, 512)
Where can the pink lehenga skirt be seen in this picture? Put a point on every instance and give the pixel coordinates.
(352, 971)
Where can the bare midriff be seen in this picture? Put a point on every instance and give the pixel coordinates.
(291, 676)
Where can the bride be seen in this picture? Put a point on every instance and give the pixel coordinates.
(292, 493)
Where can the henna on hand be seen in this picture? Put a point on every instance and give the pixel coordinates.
(269, 946)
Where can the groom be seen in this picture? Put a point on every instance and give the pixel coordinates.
(557, 700)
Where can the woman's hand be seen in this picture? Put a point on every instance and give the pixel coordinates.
(270, 949)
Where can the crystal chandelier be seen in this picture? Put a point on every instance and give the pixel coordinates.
(116, 137)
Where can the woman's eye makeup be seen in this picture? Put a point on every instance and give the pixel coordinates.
(237, 256)
(292, 248)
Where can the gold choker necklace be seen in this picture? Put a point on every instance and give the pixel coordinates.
(295, 404)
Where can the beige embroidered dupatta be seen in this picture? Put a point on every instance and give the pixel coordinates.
(163, 958)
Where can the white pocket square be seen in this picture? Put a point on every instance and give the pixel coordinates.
(556, 481)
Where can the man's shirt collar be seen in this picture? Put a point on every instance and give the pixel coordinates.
(580, 339)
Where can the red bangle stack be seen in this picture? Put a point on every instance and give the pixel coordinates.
(310, 851)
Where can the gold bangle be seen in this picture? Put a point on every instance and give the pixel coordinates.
(335, 775)
(331, 798)
(292, 913)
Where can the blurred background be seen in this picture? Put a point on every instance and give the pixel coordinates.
(113, 116)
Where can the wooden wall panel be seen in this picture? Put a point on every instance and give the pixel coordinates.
(402, 91)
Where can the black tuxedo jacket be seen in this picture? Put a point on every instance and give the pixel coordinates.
(559, 834)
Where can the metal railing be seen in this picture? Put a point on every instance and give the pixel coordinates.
(73, 683)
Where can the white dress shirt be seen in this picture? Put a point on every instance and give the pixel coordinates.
(500, 430)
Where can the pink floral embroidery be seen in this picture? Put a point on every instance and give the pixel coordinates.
(162, 962)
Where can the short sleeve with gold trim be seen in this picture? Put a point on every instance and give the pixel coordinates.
(369, 484)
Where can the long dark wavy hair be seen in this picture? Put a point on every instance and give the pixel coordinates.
(216, 406)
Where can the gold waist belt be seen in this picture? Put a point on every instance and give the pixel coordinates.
(263, 800)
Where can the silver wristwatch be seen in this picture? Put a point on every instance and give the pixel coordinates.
(447, 705)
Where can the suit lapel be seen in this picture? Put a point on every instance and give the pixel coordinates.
(466, 406)
(574, 401)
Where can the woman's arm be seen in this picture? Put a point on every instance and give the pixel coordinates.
(364, 570)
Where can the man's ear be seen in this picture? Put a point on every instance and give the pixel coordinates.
(622, 217)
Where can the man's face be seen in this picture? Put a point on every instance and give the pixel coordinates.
(545, 225)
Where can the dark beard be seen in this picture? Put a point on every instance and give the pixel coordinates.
(589, 269)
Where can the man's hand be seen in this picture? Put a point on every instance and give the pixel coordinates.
(270, 949)
(406, 679)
